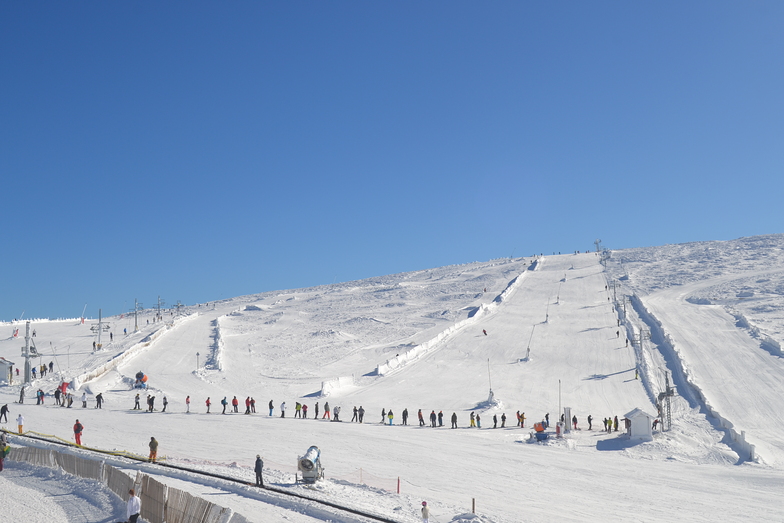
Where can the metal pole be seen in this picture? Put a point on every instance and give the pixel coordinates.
(26, 354)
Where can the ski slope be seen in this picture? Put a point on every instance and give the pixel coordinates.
(553, 338)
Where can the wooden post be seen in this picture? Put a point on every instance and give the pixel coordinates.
(473, 505)
(398, 484)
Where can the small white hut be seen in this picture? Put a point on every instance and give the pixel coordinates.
(641, 425)
(6, 371)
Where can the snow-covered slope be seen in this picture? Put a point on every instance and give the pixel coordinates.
(542, 334)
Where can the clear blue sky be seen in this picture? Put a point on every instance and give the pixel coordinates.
(204, 150)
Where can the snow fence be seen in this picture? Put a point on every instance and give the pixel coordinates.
(484, 309)
(666, 343)
(160, 503)
(124, 356)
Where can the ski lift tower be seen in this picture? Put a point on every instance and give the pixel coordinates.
(136, 308)
(598, 244)
(26, 350)
(99, 328)
(665, 404)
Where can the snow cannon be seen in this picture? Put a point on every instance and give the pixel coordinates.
(310, 467)
(539, 427)
(141, 381)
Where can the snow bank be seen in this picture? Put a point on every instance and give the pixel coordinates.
(484, 309)
(666, 344)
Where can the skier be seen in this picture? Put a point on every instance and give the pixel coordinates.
(259, 468)
(187, 404)
(327, 413)
(433, 418)
(134, 507)
(405, 416)
(247, 405)
(495, 421)
(390, 416)
(336, 413)
(473, 420)
(484, 331)
(478, 422)
(283, 410)
(4, 413)
(615, 421)
(590, 420)
(252, 406)
(355, 417)
(454, 420)
(57, 396)
(271, 407)
(383, 416)
(153, 450)
(315, 416)
(208, 403)
(547, 419)
(503, 420)
(304, 411)
(425, 513)
(361, 413)
(225, 403)
(165, 402)
(235, 403)
(136, 405)
(440, 418)
(98, 400)
(574, 421)
(20, 423)
(78, 428)
(421, 419)
(298, 410)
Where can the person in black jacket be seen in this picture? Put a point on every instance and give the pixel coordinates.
(258, 468)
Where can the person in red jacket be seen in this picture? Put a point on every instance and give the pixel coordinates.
(208, 403)
(247, 405)
(235, 403)
(78, 428)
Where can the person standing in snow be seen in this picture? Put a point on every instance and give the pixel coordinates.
(271, 407)
(503, 419)
(336, 413)
(259, 467)
(355, 416)
(421, 418)
(433, 418)
(252, 406)
(590, 420)
(153, 449)
(478, 421)
(20, 423)
(298, 410)
(495, 421)
(304, 411)
(315, 416)
(165, 402)
(225, 403)
(99, 400)
(574, 421)
(247, 405)
(78, 428)
(4, 413)
(615, 421)
(283, 410)
(134, 507)
(361, 413)
(405, 416)
(208, 403)
(187, 404)
(136, 405)
(454, 420)
(473, 420)
(440, 418)
(383, 416)
(425, 513)
(390, 416)
(235, 403)
(327, 413)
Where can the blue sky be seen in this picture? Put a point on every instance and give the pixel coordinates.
(202, 150)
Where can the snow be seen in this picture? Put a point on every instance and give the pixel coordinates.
(716, 315)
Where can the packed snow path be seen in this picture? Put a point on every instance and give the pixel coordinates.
(740, 380)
